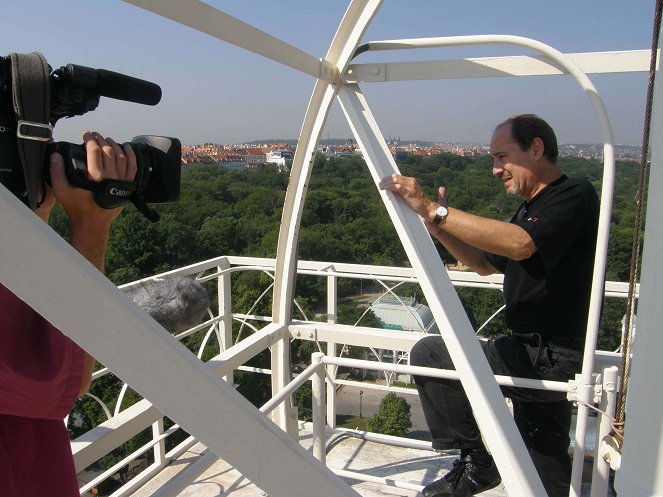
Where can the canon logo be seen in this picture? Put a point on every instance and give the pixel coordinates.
(119, 193)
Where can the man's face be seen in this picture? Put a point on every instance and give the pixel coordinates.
(510, 163)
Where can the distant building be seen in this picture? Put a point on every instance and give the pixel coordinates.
(254, 156)
(399, 153)
(326, 150)
(230, 161)
(404, 314)
(279, 157)
(190, 160)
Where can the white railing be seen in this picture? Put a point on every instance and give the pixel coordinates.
(125, 423)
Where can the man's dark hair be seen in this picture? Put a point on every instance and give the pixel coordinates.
(526, 127)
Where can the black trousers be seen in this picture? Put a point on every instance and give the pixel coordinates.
(542, 417)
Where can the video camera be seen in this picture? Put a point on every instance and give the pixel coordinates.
(33, 98)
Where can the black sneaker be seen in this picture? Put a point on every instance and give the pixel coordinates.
(465, 479)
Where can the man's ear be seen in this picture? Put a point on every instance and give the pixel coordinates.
(537, 148)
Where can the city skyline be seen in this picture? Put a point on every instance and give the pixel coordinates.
(211, 151)
(216, 92)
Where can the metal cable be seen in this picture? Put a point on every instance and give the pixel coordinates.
(618, 424)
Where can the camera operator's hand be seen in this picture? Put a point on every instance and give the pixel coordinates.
(89, 222)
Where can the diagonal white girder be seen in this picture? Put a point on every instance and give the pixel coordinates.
(490, 410)
(206, 19)
(44, 271)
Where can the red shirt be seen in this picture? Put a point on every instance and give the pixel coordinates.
(40, 375)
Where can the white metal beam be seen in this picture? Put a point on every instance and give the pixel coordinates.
(88, 308)
(596, 298)
(491, 67)
(642, 457)
(490, 410)
(387, 273)
(104, 438)
(233, 357)
(359, 336)
(206, 19)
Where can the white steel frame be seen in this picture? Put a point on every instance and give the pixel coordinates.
(367, 125)
(105, 322)
(642, 458)
(126, 423)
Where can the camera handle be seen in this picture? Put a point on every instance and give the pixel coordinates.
(111, 193)
(108, 193)
(32, 103)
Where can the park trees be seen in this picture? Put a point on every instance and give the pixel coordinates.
(392, 417)
(223, 212)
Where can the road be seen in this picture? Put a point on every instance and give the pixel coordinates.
(348, 402)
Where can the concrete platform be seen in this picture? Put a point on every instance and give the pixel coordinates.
(199, 473)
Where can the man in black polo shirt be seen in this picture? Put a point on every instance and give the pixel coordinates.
(546, 253)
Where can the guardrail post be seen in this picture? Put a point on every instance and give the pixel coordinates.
(224, 328)
(160, 448)
(318, 408)
(332, 310)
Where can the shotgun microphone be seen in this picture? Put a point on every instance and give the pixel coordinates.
(122, 87)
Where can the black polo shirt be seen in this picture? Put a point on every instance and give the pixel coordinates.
(549, 292)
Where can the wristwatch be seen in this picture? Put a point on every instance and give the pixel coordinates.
(440, 215)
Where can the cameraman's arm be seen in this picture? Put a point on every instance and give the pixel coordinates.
(89, 223)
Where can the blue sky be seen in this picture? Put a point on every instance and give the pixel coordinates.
(216, 92)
